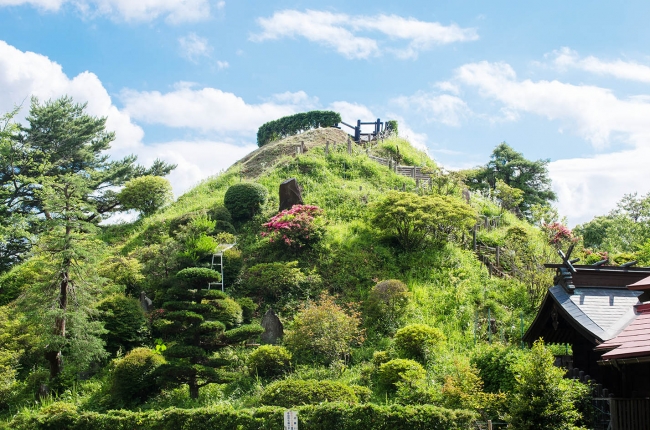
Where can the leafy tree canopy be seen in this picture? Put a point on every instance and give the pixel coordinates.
(515, 171)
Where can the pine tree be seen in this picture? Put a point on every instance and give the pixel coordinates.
(197, 322)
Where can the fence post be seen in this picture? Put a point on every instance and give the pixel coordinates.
(489, 425)
(349, 145)
(498, 256)
(357, 131)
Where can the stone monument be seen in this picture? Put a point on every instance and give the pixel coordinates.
(289, 194)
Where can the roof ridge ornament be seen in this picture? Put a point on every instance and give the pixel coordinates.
(564, 275)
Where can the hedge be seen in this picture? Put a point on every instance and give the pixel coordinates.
(294, 124)
(326, 416)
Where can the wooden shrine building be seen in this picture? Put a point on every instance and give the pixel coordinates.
(603, 312)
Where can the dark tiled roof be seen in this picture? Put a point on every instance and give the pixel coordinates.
(602, 312)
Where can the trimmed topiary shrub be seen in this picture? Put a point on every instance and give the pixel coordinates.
(294, 124)
(296, 392)
(244, 200)
(399, 370)
(198, 276)
(269, 361)
(415, 341)
(386, 305)
(132, 379)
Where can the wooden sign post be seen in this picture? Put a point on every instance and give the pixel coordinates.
(290, 420)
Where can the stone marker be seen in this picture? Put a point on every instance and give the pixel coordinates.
(145, 302)
(273, 328)
(466, 195)
(289, 194)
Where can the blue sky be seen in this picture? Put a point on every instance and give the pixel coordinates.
(190, 81)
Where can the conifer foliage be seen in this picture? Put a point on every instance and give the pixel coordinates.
(197, 322)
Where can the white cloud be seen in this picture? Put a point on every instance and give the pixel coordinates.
(594, 113)
(206, 109)
(586, 186)
(446, 109)
(221, 4)
(174, 11)
(340, 31)
(194, 47)
(566, 58)
(195, 160)
(592, 186)
(222, 65)
(25, 74)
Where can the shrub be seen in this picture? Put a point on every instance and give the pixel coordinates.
(295, 228)
(294, 124)
(495, 364)
(248, 308)
(386, 305)
(146, 194)
(270, 361)
(542, 398)
(228, 312)
(325, 416)
(416, 341)
(243, 333)
(124, 271)
(132, 378)
(323, 332)
(392, 126)
(125, 321)
(219, 213)
(296, 392)
(269, 281)
(415, 220)
(198, 276)
(399, 370)
(244, 200)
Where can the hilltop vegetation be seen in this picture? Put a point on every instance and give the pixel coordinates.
(384, 302)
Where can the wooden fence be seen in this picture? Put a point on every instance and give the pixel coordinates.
(629, 414)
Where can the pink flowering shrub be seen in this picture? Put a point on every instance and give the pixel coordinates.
(559, 234)
(295, 228)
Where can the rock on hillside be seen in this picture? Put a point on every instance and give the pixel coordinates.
(254, 164)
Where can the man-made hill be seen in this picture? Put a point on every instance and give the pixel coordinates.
(379, 320)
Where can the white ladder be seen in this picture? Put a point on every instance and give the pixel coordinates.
(217, 260)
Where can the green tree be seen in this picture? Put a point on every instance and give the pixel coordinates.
(515, 171)
(198, 322)
(543, 399)
(146, 194)
(60, 150)
(415, 220)
(323, 332)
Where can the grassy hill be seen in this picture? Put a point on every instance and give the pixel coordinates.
(449, 289)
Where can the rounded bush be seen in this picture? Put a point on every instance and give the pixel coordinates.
(132, 379)
(386, 305)
(269, 281)
(269, 361)
(416, 341)
(219, 213)
(248, 308)
(228, 312)
(244, 200)
(243, 333)
(198, 277)
(125, 321)
(293, 392)
(399, 370)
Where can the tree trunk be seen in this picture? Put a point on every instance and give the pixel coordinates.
(194, 389)
(55, 357)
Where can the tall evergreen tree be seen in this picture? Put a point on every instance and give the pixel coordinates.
(515, 171)
(60, 144)
(58, 178)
